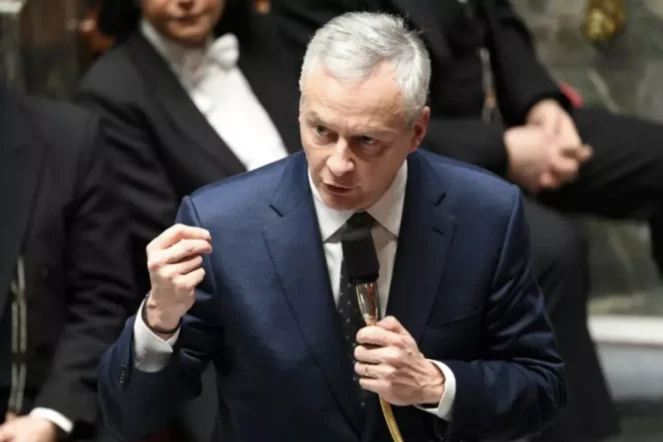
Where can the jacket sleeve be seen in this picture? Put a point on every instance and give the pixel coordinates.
(134, 402)
(521, 80)
(98, 280)
(517, 388)
(468, 140)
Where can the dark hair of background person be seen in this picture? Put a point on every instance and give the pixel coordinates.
(120, 18)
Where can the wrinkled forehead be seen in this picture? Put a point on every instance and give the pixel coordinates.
(376, 98)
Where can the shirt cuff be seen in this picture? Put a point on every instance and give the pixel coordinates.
(445, 406)
(54, 417)
(151, 353)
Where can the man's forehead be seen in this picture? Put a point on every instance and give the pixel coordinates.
(369, 104)
(380, 86)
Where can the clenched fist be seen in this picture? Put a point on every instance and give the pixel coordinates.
(174, 260)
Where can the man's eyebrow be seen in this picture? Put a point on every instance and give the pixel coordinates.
(373, 132)
(313, 115)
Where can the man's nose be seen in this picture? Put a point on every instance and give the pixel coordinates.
(340, 161)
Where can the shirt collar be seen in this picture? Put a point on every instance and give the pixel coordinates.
(387, 210)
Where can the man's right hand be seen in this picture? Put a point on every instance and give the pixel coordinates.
(174, 260)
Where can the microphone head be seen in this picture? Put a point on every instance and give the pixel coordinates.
(359, 256)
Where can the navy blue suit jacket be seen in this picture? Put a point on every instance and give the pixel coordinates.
(462, 286)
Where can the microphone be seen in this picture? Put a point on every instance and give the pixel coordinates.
(363, 269)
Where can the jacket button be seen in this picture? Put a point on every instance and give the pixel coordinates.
(123, 375)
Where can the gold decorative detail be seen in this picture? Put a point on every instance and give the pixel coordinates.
(604, 20)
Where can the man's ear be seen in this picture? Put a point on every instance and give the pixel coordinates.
(420, 128)
(301, 108)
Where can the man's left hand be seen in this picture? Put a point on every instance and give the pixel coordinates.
(28, 429)
(391, 365)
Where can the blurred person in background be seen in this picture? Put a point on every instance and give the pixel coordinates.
(569, 161)
(193, 91)
(65, 281)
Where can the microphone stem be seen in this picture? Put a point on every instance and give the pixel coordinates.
(369, 305)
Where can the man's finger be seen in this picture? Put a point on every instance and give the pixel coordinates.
(374, 335)
(566, 169)
(549, 181)
(163, 260)
(568, 131)
(187, 248)
(192, 279)
(390, 323)
(585, 153)
(393, 356)
(551, 125)
(176, 233)
(577, 152)
(6, 433)
(375, 371)
(378, 386)
(183, 267)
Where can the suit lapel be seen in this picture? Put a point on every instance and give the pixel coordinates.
(292, 237)
(178, 106)
(423, 245)
(272, 79)
(21, 160)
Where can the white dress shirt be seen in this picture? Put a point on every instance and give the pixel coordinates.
(216, 85)
(153, 353)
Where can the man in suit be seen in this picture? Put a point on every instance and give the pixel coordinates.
(65, 282)
(252, 278)
(479, 48)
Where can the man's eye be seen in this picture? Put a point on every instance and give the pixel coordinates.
(370, 146)
(321, 130)
(367, 140)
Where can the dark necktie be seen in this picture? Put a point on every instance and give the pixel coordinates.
(348, 306)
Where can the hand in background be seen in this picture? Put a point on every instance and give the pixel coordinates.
(555, 122)
(28, 429)
(539, 160)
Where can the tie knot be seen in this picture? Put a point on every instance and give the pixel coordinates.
(361, 219)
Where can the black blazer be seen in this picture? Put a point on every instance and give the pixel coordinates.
(166, 147)
(455, 129)
(58, 213)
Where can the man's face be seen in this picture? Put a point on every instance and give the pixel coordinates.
(188, 22)
(355, 135)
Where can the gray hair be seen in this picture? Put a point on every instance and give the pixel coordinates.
(354, 45)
